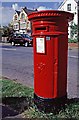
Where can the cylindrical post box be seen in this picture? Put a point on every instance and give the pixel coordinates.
(50, 42)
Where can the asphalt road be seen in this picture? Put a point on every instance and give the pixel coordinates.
(73, 75)
(17, 64)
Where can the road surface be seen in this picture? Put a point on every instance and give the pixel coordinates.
(17, 64)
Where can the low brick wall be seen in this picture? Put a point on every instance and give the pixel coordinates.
(73, 45)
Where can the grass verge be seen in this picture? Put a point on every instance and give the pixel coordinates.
(13, 89)
(22, 100)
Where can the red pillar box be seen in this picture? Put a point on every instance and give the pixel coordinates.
(50, 42)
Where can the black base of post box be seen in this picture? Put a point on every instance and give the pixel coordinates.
(50, 105)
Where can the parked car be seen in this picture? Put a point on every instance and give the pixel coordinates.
(22, 39)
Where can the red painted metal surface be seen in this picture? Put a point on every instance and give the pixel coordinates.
(50, 67)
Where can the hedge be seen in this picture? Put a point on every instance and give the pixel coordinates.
(72, 40)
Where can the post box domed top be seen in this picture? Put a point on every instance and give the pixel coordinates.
(50, 13)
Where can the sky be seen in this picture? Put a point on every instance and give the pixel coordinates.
(8, 7)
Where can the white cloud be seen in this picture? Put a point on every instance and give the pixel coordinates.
(7, 15)
(43, 8)
(15, 6)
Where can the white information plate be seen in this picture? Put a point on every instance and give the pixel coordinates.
(40, 45)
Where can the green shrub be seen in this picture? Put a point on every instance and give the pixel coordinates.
(72, 40)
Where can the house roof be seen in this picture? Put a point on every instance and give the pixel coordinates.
(62, 3)
(76, 1)
(18, 12)
(28, 11)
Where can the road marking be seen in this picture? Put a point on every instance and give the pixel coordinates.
(73, 57)
(8, 49)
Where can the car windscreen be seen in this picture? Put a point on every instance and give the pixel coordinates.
(27, 36)
(24, 36)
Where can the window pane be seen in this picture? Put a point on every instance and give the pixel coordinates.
(69, 7)
(22, 16)
(15, 17)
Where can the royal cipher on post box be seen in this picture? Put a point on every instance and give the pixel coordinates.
(50, 44)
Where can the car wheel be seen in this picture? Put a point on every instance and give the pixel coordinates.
(26, 44)
(12, 43)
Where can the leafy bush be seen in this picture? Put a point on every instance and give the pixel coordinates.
(74, 30)
(72, 40)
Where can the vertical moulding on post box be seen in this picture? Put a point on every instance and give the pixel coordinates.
(50, 42)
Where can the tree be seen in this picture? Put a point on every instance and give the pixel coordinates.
(8, 30)
(74, 31)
